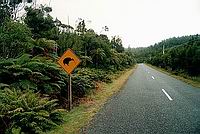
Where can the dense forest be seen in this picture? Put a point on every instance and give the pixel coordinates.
(33, 87)
(181, 54)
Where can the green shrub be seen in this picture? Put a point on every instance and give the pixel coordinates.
(39, 74)
(83, 80)
(27, 112)
(82, 85)
(44, 47)
(15, 39)
(95, 74)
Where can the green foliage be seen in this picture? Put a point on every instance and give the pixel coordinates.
(69, 40)
(37, 73)
(83, 80)
(14, 39)
(27, 112)
(28, 55)
(96, 51)
(44, 47)
(39, 21)
(117, 44)
(5, 13)
(10, 8)
(182, 54)
(81, 28)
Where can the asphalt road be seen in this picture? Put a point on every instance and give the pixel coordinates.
(150, 103)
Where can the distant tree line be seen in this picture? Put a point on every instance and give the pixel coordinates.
(181, 54)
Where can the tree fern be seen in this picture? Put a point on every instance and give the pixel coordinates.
(27, 112)
(37, 74)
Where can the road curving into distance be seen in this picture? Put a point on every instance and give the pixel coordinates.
(150, 103)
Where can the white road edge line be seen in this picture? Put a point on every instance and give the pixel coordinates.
(167, 95)
(152, 77)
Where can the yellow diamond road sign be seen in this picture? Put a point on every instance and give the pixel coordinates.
(69, 61)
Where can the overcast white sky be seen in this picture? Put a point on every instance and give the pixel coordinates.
(139, 23)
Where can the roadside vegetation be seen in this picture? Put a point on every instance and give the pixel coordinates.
(79, 118)
(192, 80)
(33, 87)
(179, 56)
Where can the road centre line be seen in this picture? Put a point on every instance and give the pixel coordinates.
(152, 77)
(167, 95)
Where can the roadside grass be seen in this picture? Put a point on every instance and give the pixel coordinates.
(194, 81)
(81, 115)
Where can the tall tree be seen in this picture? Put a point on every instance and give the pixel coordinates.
(40, 21)
(14, 6)
(117, 44)
(15, 39)
(81, 27)
(5, 13)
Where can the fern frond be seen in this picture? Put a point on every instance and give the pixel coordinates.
(16, 110)
(2, 85)
(4, 63)
(23, 59)
(56, 85)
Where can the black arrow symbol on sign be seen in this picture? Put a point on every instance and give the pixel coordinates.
(67, 60)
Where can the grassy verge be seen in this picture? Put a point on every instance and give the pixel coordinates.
(81, 115)
(194, 81)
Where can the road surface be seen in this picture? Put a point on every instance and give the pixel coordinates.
(150, 103)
